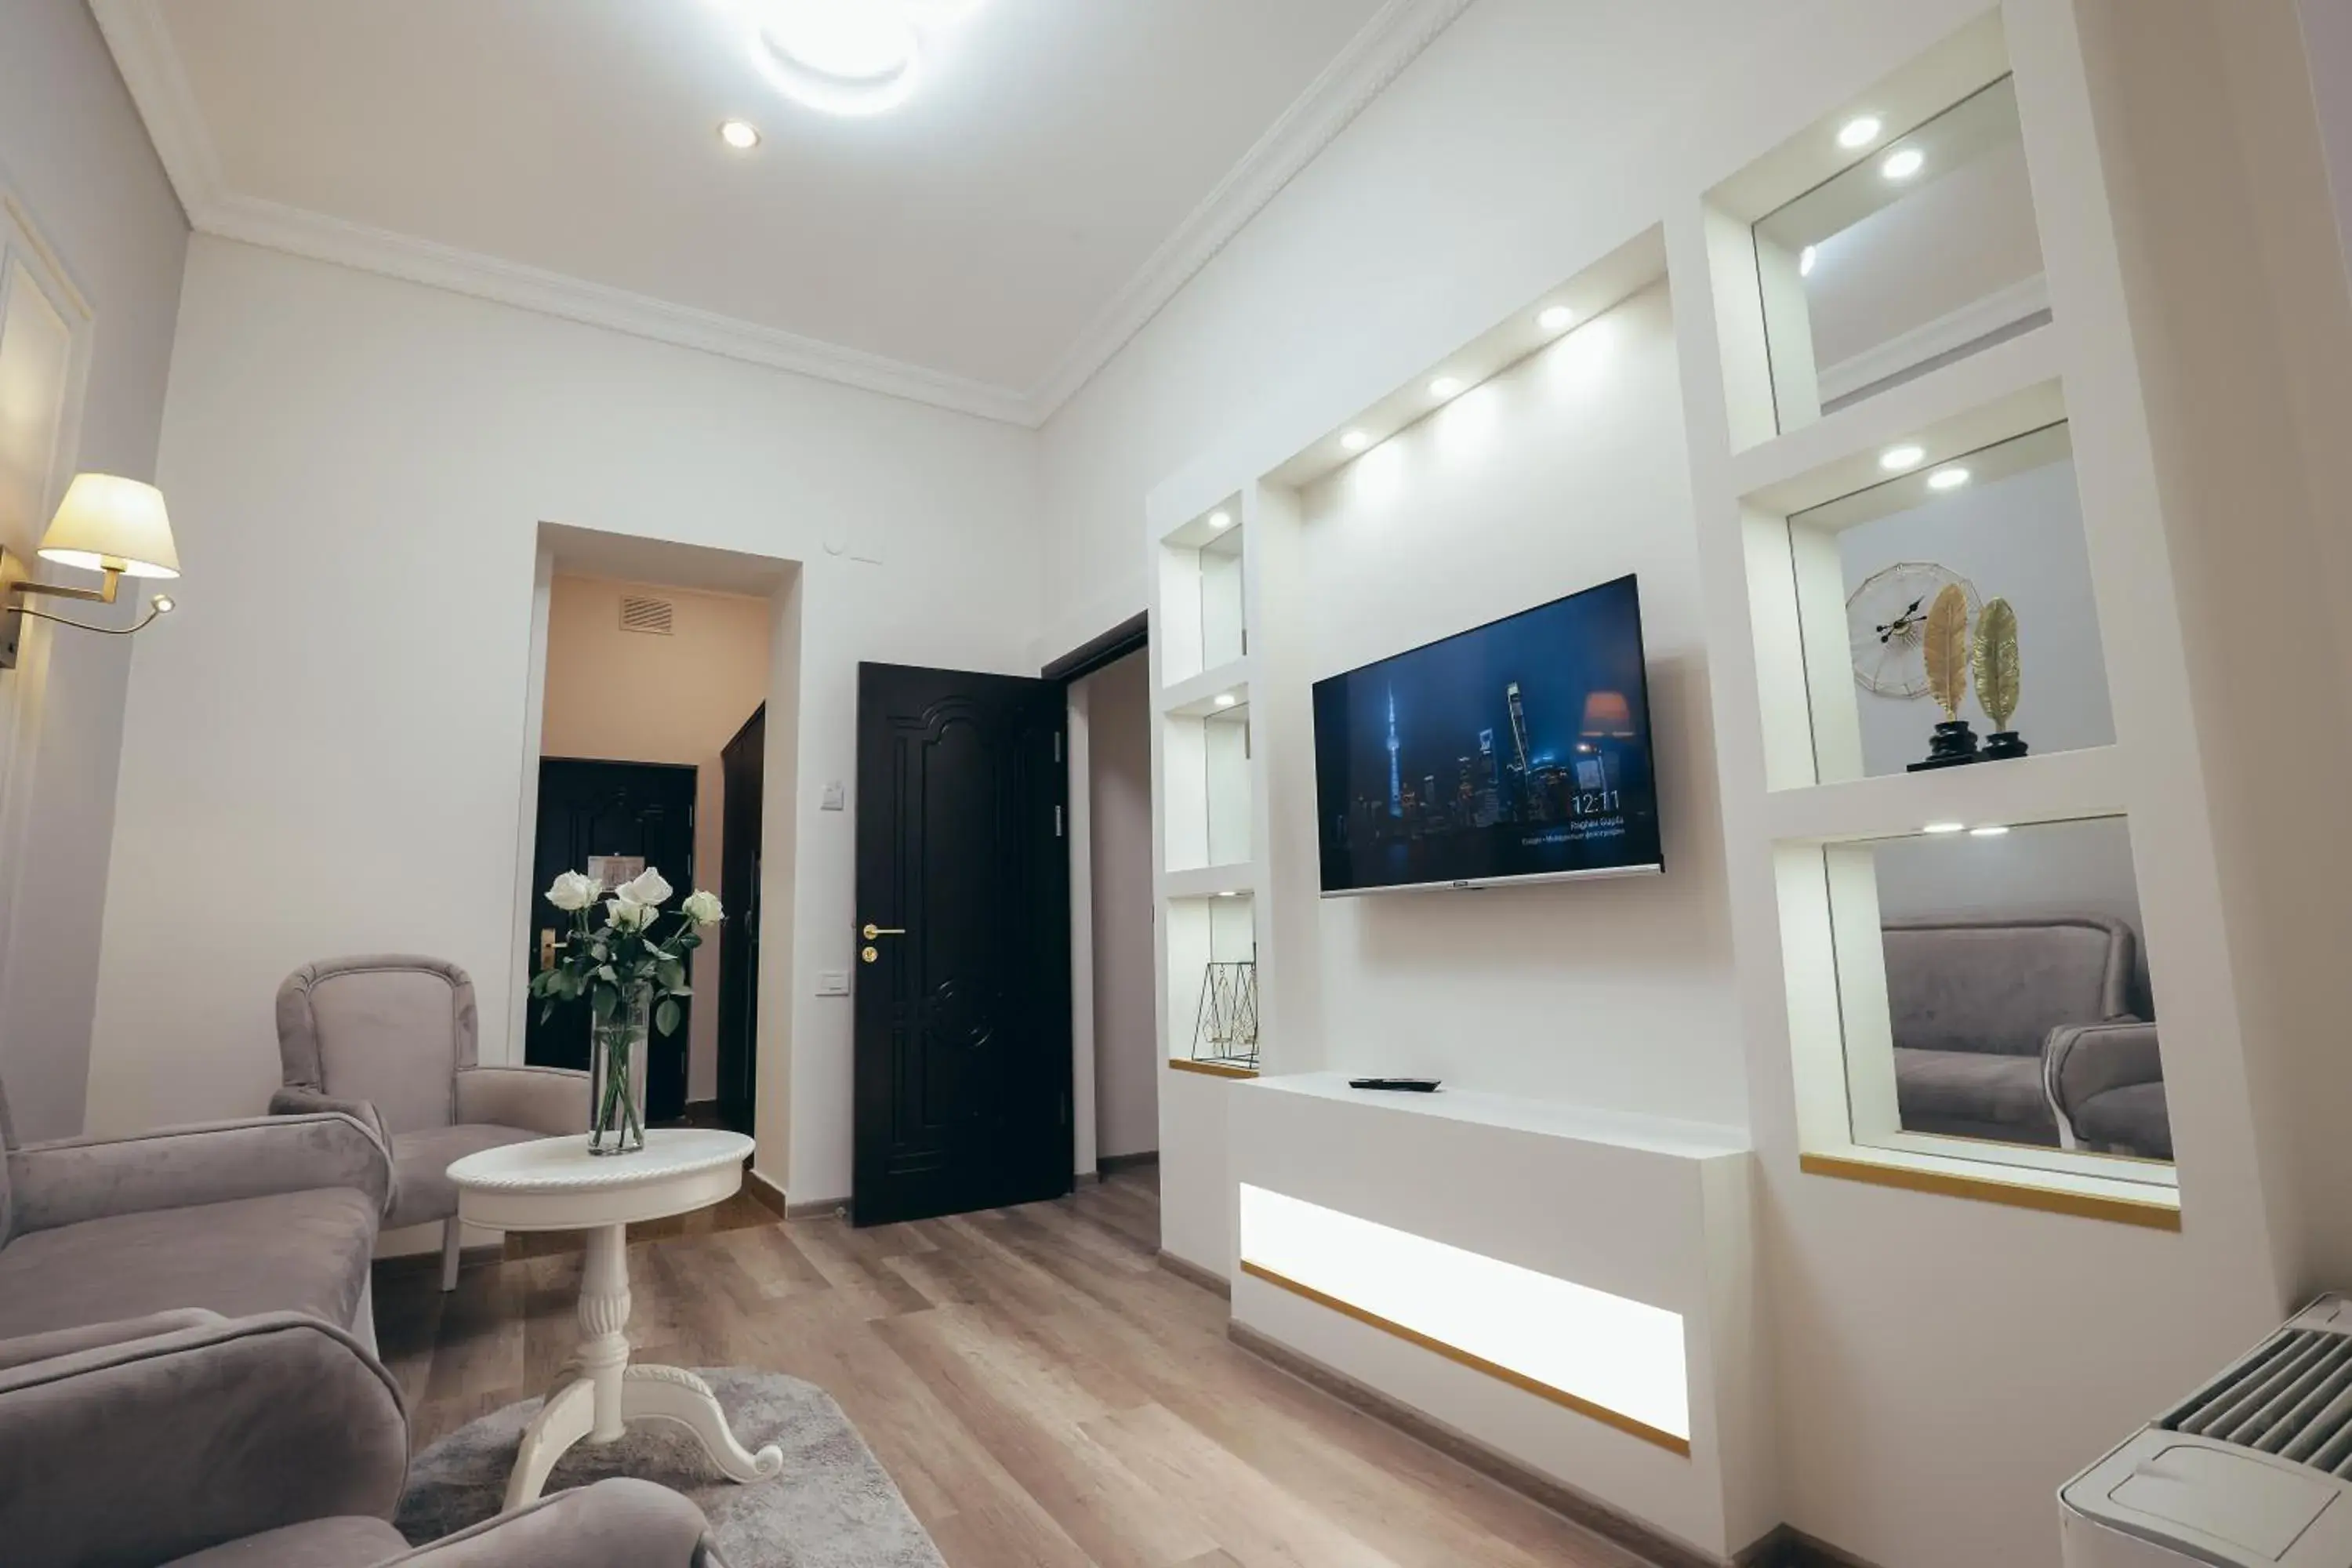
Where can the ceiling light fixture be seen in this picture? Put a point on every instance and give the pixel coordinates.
(1221, 521)
(845, 57)
(1896, 460)
(1226, 699)
(740, 134)
(1446, 386)
(1355, 440)
(1556, 319)
(1805, 260)
(1949, 479)
(1860, 132)
(1903, 164)
(1994, 830)
(1943, 827)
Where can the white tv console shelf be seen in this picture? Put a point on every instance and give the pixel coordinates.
(1515, 1268)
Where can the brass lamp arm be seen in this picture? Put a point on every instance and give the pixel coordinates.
(103, 595)
(85, 626)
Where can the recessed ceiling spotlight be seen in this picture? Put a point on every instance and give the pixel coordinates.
(845, 57)
(1356, 441)
(1805, 260)
(1949, 479)
(1904, 162)
(1895, 459)
(1556, 319)
(1859, 132)
(1446, 386)
(1221, 521)
(1230, 893)
(1992, 831)
(1227, 700)
(740, 134)
(1943, 827)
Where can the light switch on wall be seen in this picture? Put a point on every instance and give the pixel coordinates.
(835, 798)
(832, 983)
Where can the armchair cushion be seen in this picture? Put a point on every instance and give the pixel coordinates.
(1973, 1094)
(617, 1523)
(422, 1159)
(552, 1102)
(346, 1542)
(388, 1028)
(2133, 1120)
(141, 1452)
(303, 1252)
(66, 1183)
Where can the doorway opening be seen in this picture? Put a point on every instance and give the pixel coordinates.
(660, 666)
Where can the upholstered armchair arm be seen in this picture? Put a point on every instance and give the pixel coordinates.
(149, 1450)
(29, 1348)
(2081, 1060)
(612, 1524)
(553, 1101)
(77, 1179)
(294, 1099)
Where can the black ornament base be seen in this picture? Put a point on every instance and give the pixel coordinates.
(2004, 744)
(1955, 745)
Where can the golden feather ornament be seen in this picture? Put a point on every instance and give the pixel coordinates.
(1998, 675)
(1946, 649)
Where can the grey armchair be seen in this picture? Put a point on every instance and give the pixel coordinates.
(257, 1215)
(391, 1040)
(264, 1442)
(2105, 1085)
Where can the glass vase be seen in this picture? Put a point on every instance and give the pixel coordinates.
(616, 1120)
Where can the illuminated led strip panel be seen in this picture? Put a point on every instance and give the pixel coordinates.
(1617, 1361)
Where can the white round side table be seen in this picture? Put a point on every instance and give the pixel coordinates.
(554, 1184)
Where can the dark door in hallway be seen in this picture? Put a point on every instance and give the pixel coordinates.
(743, 763)
(629, 815)
(962, 965)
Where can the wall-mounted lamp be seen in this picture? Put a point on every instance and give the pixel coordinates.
(105, 524)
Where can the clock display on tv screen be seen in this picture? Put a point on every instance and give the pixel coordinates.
(1519, 750)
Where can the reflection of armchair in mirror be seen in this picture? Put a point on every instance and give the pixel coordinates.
(2105, 1086)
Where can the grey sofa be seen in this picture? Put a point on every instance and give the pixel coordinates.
(391, 1040)
(262, 1442)
(2105, 1084)
(1975, 1004)
(261, 1215)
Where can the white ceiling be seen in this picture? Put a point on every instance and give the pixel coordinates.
(1066, 165)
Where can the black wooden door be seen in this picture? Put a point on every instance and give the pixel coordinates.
(962, 1069)
(742, 765)
(642, 815)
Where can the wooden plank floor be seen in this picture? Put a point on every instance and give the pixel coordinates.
(1043, 1392)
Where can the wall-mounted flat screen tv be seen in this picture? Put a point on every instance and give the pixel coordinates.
(1518, 752)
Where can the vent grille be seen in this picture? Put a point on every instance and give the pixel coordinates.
(644, 615)
(2292, 1398)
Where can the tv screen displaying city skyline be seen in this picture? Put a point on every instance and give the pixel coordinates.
(1518, 750)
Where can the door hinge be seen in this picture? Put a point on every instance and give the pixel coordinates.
(1057, 745)
(1057, 822)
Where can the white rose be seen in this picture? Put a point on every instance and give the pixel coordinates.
(646, 888)
(702, 907)
(573, 890)
(626, 913)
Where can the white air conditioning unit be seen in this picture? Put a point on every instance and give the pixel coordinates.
(2254, 1471)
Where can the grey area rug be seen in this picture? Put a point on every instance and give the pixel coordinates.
(833, 1507)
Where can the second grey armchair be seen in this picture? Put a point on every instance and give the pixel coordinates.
(391, 1039)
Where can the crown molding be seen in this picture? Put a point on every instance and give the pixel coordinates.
(149, 63)
(1374, 58)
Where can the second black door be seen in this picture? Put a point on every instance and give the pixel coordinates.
(963, 1013)
(628, 815)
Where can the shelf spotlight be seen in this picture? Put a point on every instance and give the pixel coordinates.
(1355, 440)
(1221, 521)
(1446, 386)
(1896, 460)
(1950, 478)
(1556, 319)
(1943, 827)
(1904, 162)
(1860, 132)
(1805, 260)
(1227, 700)
(1991, 830)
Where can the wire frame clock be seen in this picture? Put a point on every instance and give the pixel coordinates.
(1886, 621)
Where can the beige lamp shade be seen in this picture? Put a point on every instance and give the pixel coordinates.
(106, 523)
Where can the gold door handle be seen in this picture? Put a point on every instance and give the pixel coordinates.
(874, 930)
(547, 947)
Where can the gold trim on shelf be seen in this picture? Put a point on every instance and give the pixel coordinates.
(1520, 1380)
(2149, 1213)
(1211, 1069)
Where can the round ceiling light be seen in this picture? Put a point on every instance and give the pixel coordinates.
(1903, 164)
(740, 134)
(1896, 460)
(1859, 131)
(1355, 440)
(844, 57)
(1805, 260)
(1446, 386)
(1556, 320)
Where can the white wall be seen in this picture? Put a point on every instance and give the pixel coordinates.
(75, 156)
(1567, 471)
(1126, 1046)
(358, 468)
(622, 696)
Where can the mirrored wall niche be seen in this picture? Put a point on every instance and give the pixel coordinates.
(1920, 250)
(1987, 547)
(1213, 996)
(1993, 985)
(1204, 604)
(1206, 777)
